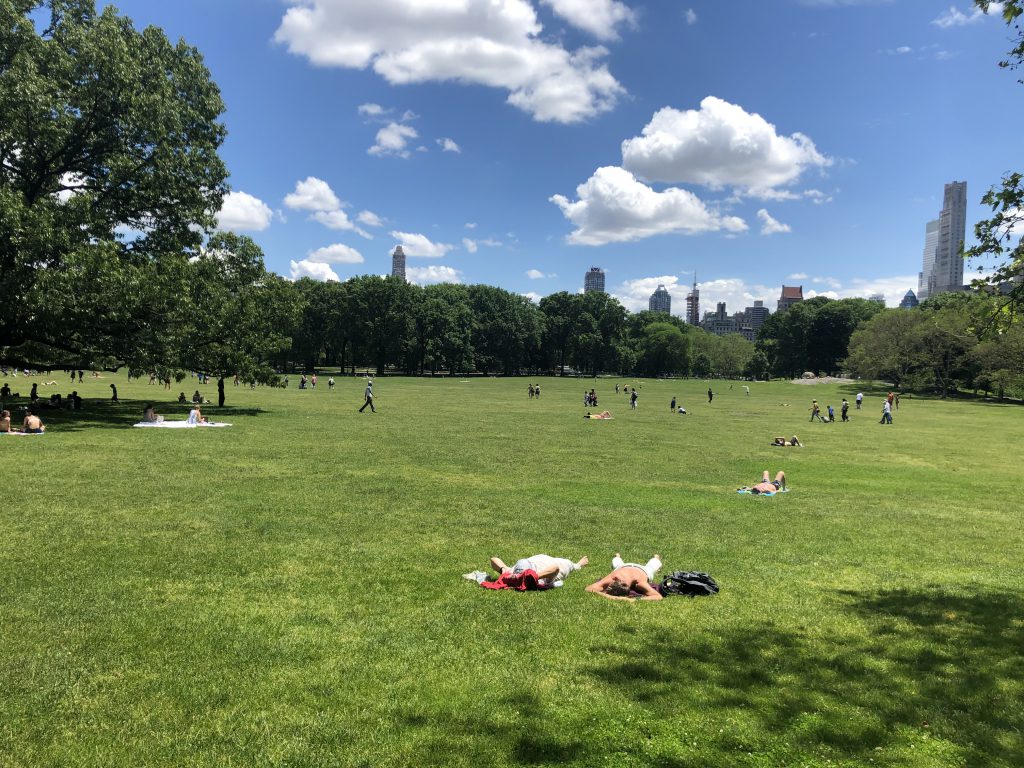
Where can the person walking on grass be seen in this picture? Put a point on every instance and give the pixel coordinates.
(368, 394)
(113, 394)
(632, 400)
(844, 411)
(816, 411)
(672, 405)
(886, 413)
(711, 395)
(860, 399)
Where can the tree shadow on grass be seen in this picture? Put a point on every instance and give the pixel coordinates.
(106, 415)
(519, 730)
(933, 662)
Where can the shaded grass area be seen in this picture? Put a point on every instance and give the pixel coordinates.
(287, 591)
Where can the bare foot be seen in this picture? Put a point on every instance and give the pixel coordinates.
(583, 561)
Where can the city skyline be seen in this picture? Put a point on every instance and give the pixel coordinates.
(801, 142)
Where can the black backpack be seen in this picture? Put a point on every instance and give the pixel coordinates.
(689, 583)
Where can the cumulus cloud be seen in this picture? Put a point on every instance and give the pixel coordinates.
(241, 212)
(536, 274)
(370, 219)
(420, 245)
(472, 42)
(435, 273)
(371, 110)
(316, 195)
(335, 254)
(448, 145)
(892, 288)
(719, 145)
(313, 194)
(690, 16)
(601, 18)
(614, 207)
(393, 139)
(315, 270)
(954, 17)
(797, 276)
(771, 226)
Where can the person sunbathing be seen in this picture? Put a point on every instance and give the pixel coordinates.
(551, 571)
(781, 441)
(5, 421)
(628, 579)
(766, 485)
(601, 415)
(195, 416)
(33, 424)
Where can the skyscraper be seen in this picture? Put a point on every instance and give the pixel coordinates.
(693, 304)
(942, 266)
(398, 262)
(756, 315)
(661, 301)
(593, 280)
(909, 300)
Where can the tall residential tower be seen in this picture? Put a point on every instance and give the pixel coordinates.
(593, 280)
(942, 267)
(398, 262)
(693, 304)
(661, 301)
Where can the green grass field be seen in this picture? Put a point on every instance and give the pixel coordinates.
(288, 591)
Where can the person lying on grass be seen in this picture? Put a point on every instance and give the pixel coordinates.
(601, 415)
(551, 571)
(766, 485)
(629, 580)
(781, 441)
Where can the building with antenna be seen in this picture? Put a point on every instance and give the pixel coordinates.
(693, 304)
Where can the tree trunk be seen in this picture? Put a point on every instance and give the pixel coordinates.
(220, 392)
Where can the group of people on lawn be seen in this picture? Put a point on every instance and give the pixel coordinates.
(626, 581)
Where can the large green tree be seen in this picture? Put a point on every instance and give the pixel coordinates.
(1001, 236)
(109, 176)
(233, 317)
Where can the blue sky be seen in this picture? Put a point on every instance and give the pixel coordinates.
(519, 142)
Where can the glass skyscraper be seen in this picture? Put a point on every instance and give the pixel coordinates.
(942, 265)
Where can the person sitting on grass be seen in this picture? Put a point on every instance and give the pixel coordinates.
(766, 485)
(629, 580)
(195, 416)
(150, 415)
(5, 421)
(550, 571)
(33, 424)
(181, 398)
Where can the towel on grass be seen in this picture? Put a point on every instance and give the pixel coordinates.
(179, 424)
(23, 434)
(762, 493)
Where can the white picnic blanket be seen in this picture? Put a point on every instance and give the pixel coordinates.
(179, 424)
(23, 434)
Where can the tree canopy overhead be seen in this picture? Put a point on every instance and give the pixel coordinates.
(109, 176)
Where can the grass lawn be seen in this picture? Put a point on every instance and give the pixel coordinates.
(288, 591)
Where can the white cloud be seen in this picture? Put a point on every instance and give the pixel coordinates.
(241, 212)
(956, 18)
(691, 16)
(797, 276)
(536, 274)
(393, 139)
(435, 273)
(892, 288)
(601, 18)
(904, 49)
(614, 207)
(470, 225)
(370, 219)
(420, 245)
(473, 245)
(335, 254)
(771, 226)
(313, 194)
(533, 296)
(469, 245)
(719, 145)
(448, 145)
(494, 43)
(315, 270)
(831, 282)
(371, 110)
